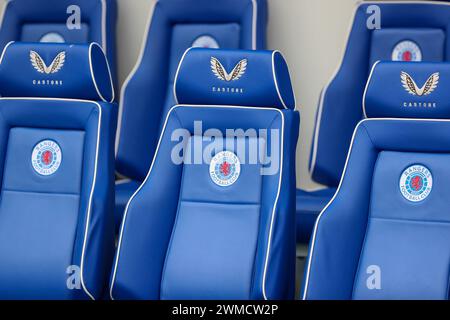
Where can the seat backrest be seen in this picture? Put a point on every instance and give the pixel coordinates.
(61, 21)
(408, 30)
(57, 171)
(386, 233)
(147, 94)
(214, 218)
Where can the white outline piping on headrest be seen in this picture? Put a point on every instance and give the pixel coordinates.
(94, 181)
(312, 166)
(93, 76)
(176, 75)
(4, 50)
(141, 56)
(273, 76)
(276, 81)
(269, 242)
(367, 87)
(316, 226)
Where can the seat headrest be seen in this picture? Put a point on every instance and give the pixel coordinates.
(52, 70)
(234, 77)
(408, 90)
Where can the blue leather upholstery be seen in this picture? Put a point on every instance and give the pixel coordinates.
(147, 94)
(424, 24)
(56, 71)
(57, 170)
(46, 21)
(386, 234)
(190, 232)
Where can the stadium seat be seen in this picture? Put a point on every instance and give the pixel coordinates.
(56, 21)
(57, 169)
(414, 31)
(147, 94)
(386, 233)
(215, 216)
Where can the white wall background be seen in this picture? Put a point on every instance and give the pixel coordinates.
(310, 33)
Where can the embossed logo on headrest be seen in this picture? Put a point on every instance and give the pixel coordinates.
(40, 66)
(221, 74)
(411, 87)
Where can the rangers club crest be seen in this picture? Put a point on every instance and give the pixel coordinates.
(416, 183)
(225, 168)
(205, 42)
(407, 51)
(46, 157)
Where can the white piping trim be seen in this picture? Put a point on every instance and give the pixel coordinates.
(273, 76)
(316, 226)
(89, 209)
(91, 68)
(322, 96)
(117, 257)
(367, 87)
(141, 56)
(276, 82)
(176, 75)
(4, 50)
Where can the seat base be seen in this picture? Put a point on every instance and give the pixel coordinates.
(309, 205)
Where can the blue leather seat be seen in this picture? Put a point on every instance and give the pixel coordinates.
(386, 233)
(57, 169)
(54, 21)
(147, 94)
(215, 216)
(410, 31)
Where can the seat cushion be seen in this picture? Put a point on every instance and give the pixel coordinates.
(124, 191)
(308, 206)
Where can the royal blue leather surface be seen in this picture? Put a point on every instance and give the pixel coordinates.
(309, 204)
(56, 221)
(45, 20)
(425, 24)
(371, 224)
(228, 77)
(339, 111)
(55, 207)
(409, 90)
(190, 238)
(55, 71)
(124, 191)
(148, 94)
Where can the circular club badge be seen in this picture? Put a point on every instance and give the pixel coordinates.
(407, 51)
(53, 37)
(46, 157)
(205, 42)
(416, 183)
(225, 168)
